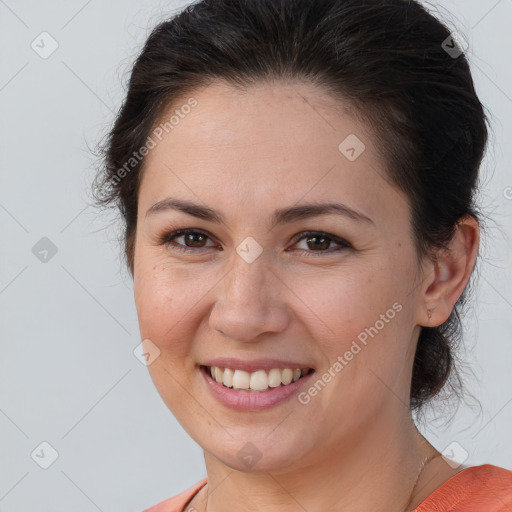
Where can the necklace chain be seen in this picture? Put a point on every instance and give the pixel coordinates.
(425, 462)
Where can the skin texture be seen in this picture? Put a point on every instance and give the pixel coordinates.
(246, 154)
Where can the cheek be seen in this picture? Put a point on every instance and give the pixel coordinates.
(168, 300)
(153, 299)
(364, 315)
(162, 298)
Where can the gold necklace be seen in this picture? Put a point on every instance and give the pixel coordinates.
(426, 461)
(424, 464)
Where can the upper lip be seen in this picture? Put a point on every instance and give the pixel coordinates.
(254, 364)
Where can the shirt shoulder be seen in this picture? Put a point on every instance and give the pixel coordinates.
(178, 502)
(475, 489)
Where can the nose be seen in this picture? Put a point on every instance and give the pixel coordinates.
(249, 302)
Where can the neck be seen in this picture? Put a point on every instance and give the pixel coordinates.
(380, 471)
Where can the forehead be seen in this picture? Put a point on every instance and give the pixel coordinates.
(279, 114)
(269, 143)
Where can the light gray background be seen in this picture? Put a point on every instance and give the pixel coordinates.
(68, 375)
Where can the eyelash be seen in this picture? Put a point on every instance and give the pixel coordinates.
(168, 240)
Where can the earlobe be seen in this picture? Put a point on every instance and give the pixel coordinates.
(435, 295)
(429, 316)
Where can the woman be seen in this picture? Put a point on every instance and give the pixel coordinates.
(297, 181)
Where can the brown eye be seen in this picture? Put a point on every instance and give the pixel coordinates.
(192, 239)
(316, 242)
(320, 242)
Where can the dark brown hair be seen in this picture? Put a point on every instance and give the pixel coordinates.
(392, 61)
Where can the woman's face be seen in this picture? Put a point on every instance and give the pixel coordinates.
(271, 284)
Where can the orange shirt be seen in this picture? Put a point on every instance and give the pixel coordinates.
(483, 488)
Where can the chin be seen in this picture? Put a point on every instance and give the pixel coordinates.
(256, 454)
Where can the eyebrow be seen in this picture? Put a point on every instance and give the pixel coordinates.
(280, 216)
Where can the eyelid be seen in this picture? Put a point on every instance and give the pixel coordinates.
(168, 238)
(336, 239)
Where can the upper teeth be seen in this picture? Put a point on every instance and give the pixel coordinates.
(258, 380)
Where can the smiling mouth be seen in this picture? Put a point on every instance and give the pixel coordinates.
(259, 381)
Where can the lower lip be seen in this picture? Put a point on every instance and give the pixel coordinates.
(250, 400)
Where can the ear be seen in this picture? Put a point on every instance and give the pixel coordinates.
(445, 277)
